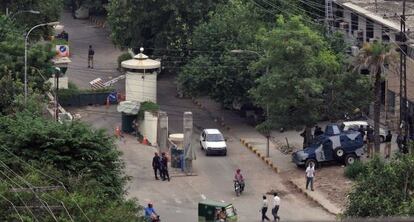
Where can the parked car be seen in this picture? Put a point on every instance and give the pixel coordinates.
(332, 145)
(212, 142)
(354, 125)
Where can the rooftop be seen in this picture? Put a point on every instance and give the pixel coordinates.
(386, 11)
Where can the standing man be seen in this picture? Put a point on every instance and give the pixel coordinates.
(370, 141)
(361, 130)
(164, 167)
(387, 150)
(156, 165)
(91, 53)
(275, 210)
(310, 174)
(264, 209)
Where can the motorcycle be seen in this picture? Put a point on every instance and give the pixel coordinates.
(154, 218)
(238, 187)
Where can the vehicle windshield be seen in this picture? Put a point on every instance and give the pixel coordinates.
(215, 137)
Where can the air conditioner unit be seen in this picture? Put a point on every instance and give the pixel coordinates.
(354, 50)
(372, 40)
(343, 26)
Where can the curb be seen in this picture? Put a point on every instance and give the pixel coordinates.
(266, 160)
(311, 198)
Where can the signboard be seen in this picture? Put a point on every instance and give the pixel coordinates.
(62, 50)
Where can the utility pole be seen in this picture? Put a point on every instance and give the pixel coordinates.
(403, 74)
(329, 18)
(57, 75)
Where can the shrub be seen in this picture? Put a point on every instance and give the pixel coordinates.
(354, 170)
(124, 56)
(149, 107)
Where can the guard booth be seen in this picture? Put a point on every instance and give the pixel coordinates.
(141, 78)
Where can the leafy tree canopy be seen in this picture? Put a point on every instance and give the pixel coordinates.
(384, 189)
(12, 63)
(214, 70)
(306, 80)
(156, 24)
(74, 149)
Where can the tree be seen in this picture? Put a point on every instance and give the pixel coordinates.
(12, 62)
(84, 201)
(375, 57)
(49, 12)
(74, 149)
(156, 24)
(299, 62)
(213, 70)
(383, 189)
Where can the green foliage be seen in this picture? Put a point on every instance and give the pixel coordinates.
(384, 189)
(354, 170)
(149, 107)
(306, 80)
(82, 199)
(74, 149)
(217, 72)
(158, 24)
(12, 63)
(49, 12)
(123, 57)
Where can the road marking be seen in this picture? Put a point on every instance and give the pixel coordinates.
(178, 201)
(203, 196)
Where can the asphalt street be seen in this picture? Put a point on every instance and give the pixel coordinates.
(176, 201)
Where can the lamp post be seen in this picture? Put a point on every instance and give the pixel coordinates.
(25, 53)
(11, 16)
(267, 105)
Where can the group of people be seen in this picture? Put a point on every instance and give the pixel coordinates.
(275, 207)
(369, 131)
(160, 165)
(316, 133)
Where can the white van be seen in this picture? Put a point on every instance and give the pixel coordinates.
(354, 125)
(213, 142)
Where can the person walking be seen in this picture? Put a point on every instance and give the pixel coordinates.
(370, 141)
(275, 210)
(91, 53)
(387, 150)
(164, 167)
(156, 165)
(310, 174)
(265, 205)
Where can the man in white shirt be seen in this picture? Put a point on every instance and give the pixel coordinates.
(276, 203)
(310, 173)
(264, 209)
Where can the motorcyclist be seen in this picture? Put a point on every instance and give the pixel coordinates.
(150, 214)
(239, 178)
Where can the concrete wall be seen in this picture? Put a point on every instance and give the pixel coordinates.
(148, 127)
(141, 87)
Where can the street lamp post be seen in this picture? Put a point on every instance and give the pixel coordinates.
(267, 105)
(11, 16)
(25, 53)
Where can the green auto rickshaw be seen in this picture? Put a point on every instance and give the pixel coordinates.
(208, 211)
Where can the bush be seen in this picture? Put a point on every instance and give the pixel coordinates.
(149, 107)
(354, 170)
(124, 56)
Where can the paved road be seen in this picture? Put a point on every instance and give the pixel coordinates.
(82, 33)
(177, 200)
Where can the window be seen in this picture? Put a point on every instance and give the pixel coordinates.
(370, 29)
(215, 137)
(354, 22)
